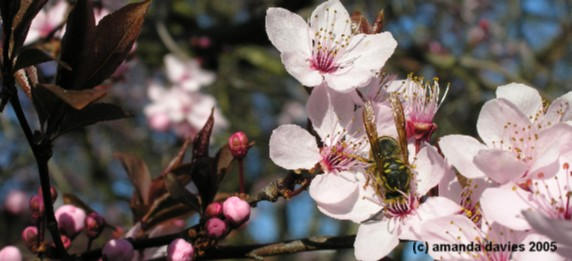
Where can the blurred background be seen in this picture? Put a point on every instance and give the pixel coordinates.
(475, 45)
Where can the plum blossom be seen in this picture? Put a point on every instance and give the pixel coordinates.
(325, 50)
(488, 241)
(47, 20)
(187, 74)
(556, 229)
(404, 218)
(71, 219)
(10, 253)
(184, 111)
(337, 191)
(421, 101)
(16, 202)
(549, 197)
(522, 140)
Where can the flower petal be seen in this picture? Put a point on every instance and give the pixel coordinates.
(431, 168)
(550, 144)
(493, 118)
(504, 206)
(455, 229)
(525, 98)
(357, 207)
(460, 150)
(322, 114)
(331, 16)
(334, 189)
(556, 229)
(365, 55)
(375, 240)
(433, 207)
(288, 32)
(292, 147)
(297, 65)
(500, 165)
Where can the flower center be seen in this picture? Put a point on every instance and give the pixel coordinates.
(328, 45)
(401, 207)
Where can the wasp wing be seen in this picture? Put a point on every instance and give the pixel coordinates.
(399, 118)
(370, 127)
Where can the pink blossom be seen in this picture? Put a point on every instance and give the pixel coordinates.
(326, 50)
(180, 250)
(420, 100)
(549, 197)
(556, 229)
(236, 210)
(118, 250)
(47, 21)
(16, 202)
(522, 141)
(10, 253)
(94, 224)
(333, 119)
(184, 111)
(187, 74)
(459, 230)
(71, 219)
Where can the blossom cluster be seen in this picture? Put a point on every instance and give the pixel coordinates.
(370, 150)
(182, 107)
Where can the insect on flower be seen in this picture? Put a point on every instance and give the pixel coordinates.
(389, 169)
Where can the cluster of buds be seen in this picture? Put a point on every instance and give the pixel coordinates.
(232, 213)
(36, 203)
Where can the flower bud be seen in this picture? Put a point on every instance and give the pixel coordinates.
(216, 227)
(66, 241)
(36, 206)
(15, 202)
(238, 144)
(214, 209)
(30, 237)
(236, 210)
(94, 224)
(10, 253)
(53, 193)
(180, 250)
(118, 250)
(71, 219)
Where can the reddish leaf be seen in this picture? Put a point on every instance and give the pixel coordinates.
(114, 37)
(201, 141)
(77, 99)
(34, 56)
(178, 192)
(23, 19)
(80, 34)
(93, 113)
(223, 160)
(74, 200)
(178, 159)
(138, 174)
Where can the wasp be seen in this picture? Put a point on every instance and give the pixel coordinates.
(389, 168)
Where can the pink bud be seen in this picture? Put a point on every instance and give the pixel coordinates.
(66, 241)
(10, 253)
(180, 250)
(216, 227)
(71, 219)
(53, 193)
(238, 144)
(118, 250)
(214, 209)
(94, 224)
(30, 237)
(15, 202)
(236, 210)
(36, 206)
